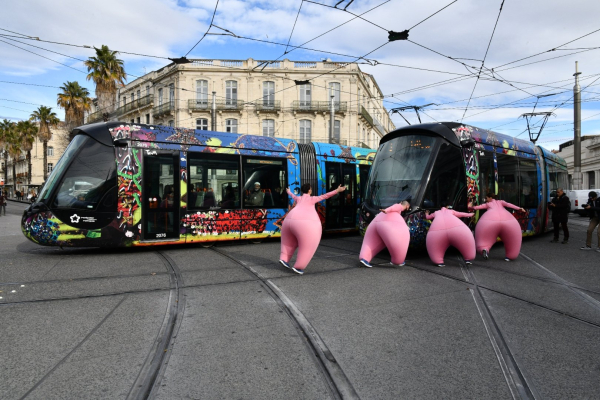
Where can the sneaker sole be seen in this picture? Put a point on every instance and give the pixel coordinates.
(298, 271)
(365, 265)
(284, 264)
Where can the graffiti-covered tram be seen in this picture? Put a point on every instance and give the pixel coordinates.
(439, 164)
(137, 185)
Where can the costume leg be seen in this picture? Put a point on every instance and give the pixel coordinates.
(437, 243)
(289, 243)
(512, 236)
(396, 239)
(308, 234)
(372, 243)
(486, 233)
(462, 238)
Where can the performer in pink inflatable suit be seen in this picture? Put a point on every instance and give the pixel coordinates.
(447, 230)
(498, 222)
(301, 228)
(388, 229)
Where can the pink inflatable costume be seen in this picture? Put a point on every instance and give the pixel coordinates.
(447, 230)
(388, 229)
(498, 222)
(302, 229)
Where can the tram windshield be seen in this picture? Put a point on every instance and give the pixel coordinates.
(398, 170)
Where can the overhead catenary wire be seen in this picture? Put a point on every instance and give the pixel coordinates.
(209, 26)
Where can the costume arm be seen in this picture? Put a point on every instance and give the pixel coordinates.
(292, 195)
(430, 216)
(480, 207)
(316, 199)
(395, 208)
(509, 205)
(462, 214)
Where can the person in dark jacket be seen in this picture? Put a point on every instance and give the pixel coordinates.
(593, 209)
(560, 206)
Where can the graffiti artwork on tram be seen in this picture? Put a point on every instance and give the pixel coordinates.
(129, 192)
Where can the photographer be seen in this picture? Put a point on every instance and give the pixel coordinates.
(593, 209)
(560, 206)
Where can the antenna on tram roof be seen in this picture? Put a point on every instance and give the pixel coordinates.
(534, 136)
(416, 108)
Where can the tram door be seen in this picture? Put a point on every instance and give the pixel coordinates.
(340, 210)
(160, 211)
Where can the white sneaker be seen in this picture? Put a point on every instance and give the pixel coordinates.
(586, 248)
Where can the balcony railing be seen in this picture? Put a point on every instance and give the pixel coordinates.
(316, 106)
(94, 117)
(163, 109)
(365, 114)
(222, 105)
(199, 105)
(134, 105)
(341, 142)
(268, 106)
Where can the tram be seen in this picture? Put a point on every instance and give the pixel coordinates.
(120, 185)
(438, 164)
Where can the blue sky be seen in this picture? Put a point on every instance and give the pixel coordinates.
(450, 44)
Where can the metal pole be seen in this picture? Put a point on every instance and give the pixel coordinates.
(213, 112)
(577, 181)
(332, 119)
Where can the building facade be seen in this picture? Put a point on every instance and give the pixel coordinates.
(290, 99)
(56, 147)
(590, 161)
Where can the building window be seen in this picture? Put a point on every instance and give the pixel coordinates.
(171, 123)
(269, 127)
(592, 180)
(334, 90)
(132, 97)
(147, 89)
(336, 131)
(305, 96)
(202, 124)
(160, 97)
(171, 94)
(202, 92)
(50, 166)
(124, 100)
(139, 95)
(231, 125)
(132, 122)
(50, 151)
(268, 94)
(231, 93)
(138, 120)
(305, 131)
(147, 118)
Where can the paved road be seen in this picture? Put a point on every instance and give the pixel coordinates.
(229, 322)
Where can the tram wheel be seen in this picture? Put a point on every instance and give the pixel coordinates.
(207, 244)
(256, 241)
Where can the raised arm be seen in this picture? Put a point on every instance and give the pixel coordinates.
(430, 215)
(316, 199)
(509, 205)
(395, 208)
(462, 214)
(292, 195)
(480, 207)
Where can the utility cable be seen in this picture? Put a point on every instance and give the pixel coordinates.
(209, 26)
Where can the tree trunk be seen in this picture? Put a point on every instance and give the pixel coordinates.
(45, 160)
(14, 175)
(29, 167)
(5, 167)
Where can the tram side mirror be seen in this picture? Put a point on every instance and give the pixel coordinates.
(467, 142)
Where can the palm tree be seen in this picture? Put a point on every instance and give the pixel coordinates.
(75, 100)
(47, 119)
(27, 133)
(6, 127)
(13, 146)
(106, 70)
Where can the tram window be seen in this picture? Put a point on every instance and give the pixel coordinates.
(90, 182)
(271, 175)
(486, 175)
(508, 172)
(528, 183)
(558, 177)
(447, 179)
(398, 170)
(213, 181)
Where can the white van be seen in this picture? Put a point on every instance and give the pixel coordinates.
(578, 199)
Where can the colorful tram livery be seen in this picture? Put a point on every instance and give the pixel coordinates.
(139, 185)
(433, 165)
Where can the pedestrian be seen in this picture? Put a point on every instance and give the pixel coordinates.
(447, 230)
(388, 229)
(497, 222)
(2, 203)
(560, 206)
(302, 229)
(593, 209)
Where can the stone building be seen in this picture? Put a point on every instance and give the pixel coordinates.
(290, 99)
(56, 147)
(590, 161)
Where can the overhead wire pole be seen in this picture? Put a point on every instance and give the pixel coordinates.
(577, 181)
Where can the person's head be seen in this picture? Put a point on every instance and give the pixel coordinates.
(559, 192)
(593, 195)
(405, 204)
(256, 186)
(490, 196)
(306, 188)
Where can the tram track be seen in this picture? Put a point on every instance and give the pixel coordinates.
(337, 382)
